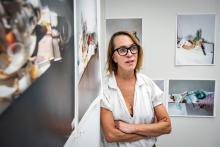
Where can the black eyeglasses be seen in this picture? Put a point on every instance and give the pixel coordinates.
(123, 51)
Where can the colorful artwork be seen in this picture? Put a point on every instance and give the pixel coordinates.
(31, 37)
(195, 42)
(87, 39)
(87, 60)
(191, 98)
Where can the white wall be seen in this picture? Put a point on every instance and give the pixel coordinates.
(159, 31)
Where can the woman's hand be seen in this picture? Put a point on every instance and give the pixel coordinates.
(124, 127)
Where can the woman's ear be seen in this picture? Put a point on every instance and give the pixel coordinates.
(114, 58)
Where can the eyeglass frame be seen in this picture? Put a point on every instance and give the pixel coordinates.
(127, 48)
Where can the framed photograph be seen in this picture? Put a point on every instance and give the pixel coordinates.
(87, 59)
(31, 37)
(192, 98)
(195, 39)
(161, 85)
(86, 33)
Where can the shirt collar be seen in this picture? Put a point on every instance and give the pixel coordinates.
(140, 80)
(112, 81)
(113, 84)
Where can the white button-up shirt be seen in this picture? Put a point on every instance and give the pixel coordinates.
(147, 95)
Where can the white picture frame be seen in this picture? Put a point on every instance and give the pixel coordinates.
(188, 49)
(192, 97)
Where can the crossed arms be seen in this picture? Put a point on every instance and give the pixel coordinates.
(119, 131)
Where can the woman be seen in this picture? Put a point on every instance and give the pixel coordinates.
(132, 113)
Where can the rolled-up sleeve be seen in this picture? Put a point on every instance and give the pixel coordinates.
(157, 95)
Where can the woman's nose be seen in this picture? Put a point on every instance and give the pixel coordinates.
(129, 53)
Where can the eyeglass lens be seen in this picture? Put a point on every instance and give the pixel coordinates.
(123, 50)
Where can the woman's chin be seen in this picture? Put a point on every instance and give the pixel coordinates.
(130, 69)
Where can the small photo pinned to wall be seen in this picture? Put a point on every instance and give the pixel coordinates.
(195, 39)
(193, 98)
(160, 84)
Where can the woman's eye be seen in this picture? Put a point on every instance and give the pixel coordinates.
(122, 50)
(134, 47)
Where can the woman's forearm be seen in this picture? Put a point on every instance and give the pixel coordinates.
(160, 127)
(155, 129)
(116, 135)
(113, 134)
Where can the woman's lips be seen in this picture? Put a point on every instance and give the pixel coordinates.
(129, 61)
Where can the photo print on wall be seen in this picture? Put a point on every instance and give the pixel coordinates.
(87, 58)
(31, 37)
(124, 24)
(87, 38)
(194, 98)
(195, 39)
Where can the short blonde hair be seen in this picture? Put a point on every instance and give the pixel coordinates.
(111, 65)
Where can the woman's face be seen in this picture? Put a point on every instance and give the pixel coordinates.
(127, 62)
